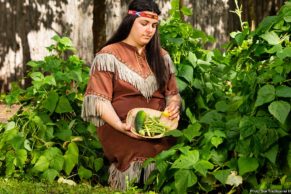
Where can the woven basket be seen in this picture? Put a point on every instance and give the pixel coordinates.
(172, 124)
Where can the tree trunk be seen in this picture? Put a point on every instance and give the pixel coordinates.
(28, 26)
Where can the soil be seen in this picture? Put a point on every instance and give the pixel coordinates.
(7, 112)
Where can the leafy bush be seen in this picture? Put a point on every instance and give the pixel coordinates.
(47, 138)
(235, 128)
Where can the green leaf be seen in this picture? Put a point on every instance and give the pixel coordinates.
(271, 37)
(9, 163)
(66, 41)
(216, 141)
(272, 153)
(17, 142)
(247, 164)
(71, 157)
(222, 175)
(186, 11)
(286, 52)
(211, 117)
(165, 154)
(27, 145)
(280, 110)
(63, 134)
(183, 180)
(174, 133)
(64, 105)
(192, 59)
(247, 127)
(191, 116)
(193, 130)
(50, 80)
(37, 76)
(20, 157)
(33, 64)
(187, 161)
(10, 125)
(98, 164)
(203, 166)
(55, 158)
(283, 91)
(51, 101)
(50, 175)
(41, 165)
(287, 18)
(186, 72)
(265, 94)
(84, 173)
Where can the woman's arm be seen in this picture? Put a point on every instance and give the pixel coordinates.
(109, 116)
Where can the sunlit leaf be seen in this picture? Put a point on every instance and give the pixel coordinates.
(280, 110)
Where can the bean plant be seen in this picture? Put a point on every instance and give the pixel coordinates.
(47, 138)
(234, 134)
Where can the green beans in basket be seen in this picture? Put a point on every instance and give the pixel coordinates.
(149, 126)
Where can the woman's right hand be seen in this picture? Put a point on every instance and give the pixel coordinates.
(125, 128)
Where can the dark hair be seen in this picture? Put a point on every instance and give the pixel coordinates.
(156, 62)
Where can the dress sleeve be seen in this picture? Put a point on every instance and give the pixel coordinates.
(98, 94)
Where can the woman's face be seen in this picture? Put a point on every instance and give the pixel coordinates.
(143, 29)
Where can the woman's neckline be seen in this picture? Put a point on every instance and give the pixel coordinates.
(139, 51)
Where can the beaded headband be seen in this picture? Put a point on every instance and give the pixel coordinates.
(143, 14)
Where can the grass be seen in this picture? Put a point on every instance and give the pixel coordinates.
(14, 186)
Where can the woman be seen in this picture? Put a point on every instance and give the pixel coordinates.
(130, 71)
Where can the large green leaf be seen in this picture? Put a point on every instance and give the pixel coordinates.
(187, 161)
(64, 105)
(37, 76)
(182, 85)
(192, 58)
(20, 157)
(271, 37)
(192, 131)
(283, 91)
(50, 80)
(186, 72)
(71, 157)
(41, 165)
(222, 175)
(280, 110)
(203, 166)
(183, 180)
(50, 175)
(247, 164)
(265, 94)
(51, 101)
(55, 158)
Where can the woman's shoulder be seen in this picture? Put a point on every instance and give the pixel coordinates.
(164, 52)
(111, 48)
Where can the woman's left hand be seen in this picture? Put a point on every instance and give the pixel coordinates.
(174, 111)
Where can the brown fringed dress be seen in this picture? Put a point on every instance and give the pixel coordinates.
(122, 78)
